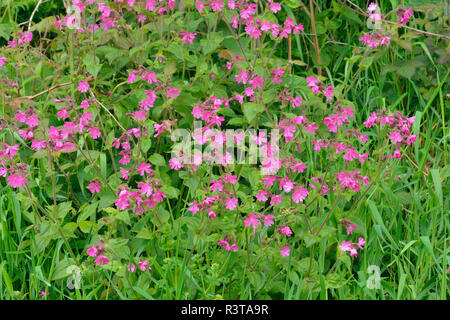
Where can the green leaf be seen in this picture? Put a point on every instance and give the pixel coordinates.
(92, 64)
(171, 192)
(377, 217)
(251, 110)
(145, 234)
(5, 30)
(177, 50)
(110, 53)
(87, 211)
(292, 3)
(62, 209)
(61, 268)
(157, 160)
(87, 226)
(437, 185)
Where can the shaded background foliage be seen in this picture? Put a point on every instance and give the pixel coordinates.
(411, 76)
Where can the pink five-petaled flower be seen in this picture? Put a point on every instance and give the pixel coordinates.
(231, 203)
(187, 37)
(16, 180)
(2, 61)
(395, 137)
(38, 145)
(131, 267)
(286, 231)
(216, 5)
(251, 220)
(351, 227)
(94, 186)
(404, 15)
(194, 207)
(361, 242)
(274, 6)
(44, 293)
(83, 86)
(268, 220)
(261, 196)
(212, 214)
(300, 194)
(144, 168)
(345, 246)
(92, 251)
(311, 128)
(101, 260)
(173, 93)
(285, 250)
(143, 265)
(224, 244)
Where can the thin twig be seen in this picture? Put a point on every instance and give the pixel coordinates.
(33, 13)
(56, 86)
(107, 110)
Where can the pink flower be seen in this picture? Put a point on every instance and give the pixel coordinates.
(286, 184)
(175, 164)
(299, 195)
(194, 207)
(268, 220)
(45, 293)
(124, 173)
(346, 246)
(187, 37)
(83, 86)
(38, 145)
(285, 250)
(372, 7)
(199, 6)
(2, 61)
(251, 220)
(101, 260)
(397, 155)
(92, 251)
(212, 214)
(16, 180)
(144, 168)
(94, 132)
(216, 5)
(395, 136)
(286, 231)
(216, 185)
(328, 92)
(299, 167)
(350, 155)
(311, 128)
(411, 139)
(262, 195)
(231, 203)
(361, 242)
(94, 186)
(173, 93)
(351, 227)
(296, 102)
(131, 267)
(276, 199)
(275, 7)
(143, 265)
(132, 76)
(404, 15)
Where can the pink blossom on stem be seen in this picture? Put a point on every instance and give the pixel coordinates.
(285, 250)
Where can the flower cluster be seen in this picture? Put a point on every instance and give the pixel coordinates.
(377, 39)
(352, 247)
(142, 264)
(98, 251)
